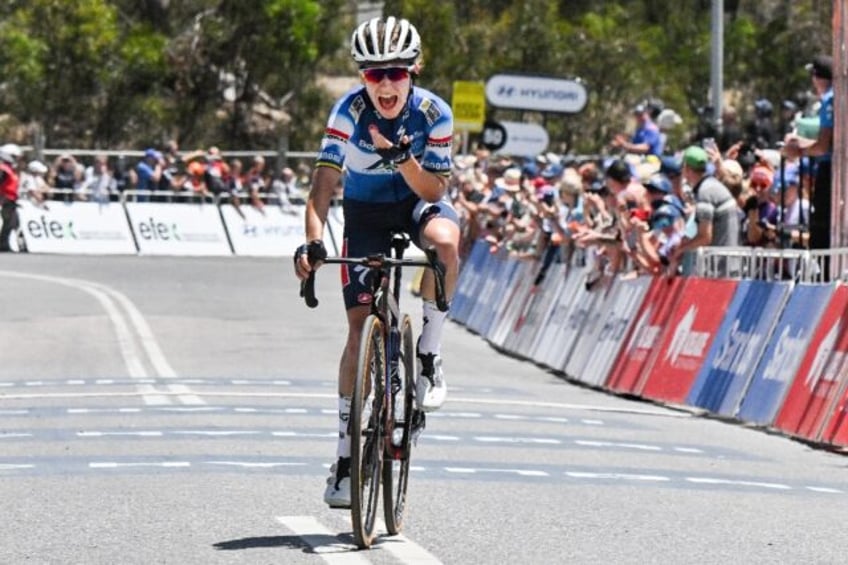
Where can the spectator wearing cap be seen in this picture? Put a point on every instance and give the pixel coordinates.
(33, 183)
(10, 155)
(646, 140)
(658, 238)
(760, 131)
(148, 173)
(65, 176)
(758, 206)
(821, 71)
(790, 216)
(715, 210)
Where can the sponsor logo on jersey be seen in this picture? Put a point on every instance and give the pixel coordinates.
(357, 107)
(431, 111)
(440, 141)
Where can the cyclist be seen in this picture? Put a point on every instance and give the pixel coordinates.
(389, 141)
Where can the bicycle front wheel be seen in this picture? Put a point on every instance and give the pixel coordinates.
(366, 433)
(396, 464)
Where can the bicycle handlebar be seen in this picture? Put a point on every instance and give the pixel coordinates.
(380, 261)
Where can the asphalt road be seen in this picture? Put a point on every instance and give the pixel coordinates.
(174, 410)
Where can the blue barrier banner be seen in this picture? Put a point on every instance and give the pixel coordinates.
(780, 362)
(468, 282)
(738, 346)
(489, 293)
(508, 278)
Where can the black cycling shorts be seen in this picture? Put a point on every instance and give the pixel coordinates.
(368, 228)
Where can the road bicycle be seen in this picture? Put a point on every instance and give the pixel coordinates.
(384, 421)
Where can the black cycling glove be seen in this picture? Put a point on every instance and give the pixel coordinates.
(398, 153)
(314, 251)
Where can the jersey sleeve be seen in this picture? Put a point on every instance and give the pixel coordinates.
(826, 112)
(339, 129)
(437, 148)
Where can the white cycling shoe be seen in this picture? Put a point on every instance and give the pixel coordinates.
(337, 493)
(431, 388)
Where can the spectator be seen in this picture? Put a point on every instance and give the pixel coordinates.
(758, 207)
(65, 177)
(196, 181)
(788, 114)
(821, 72)
(33, 185)
(790, 216)
(148, 172)
(760, 132)
(731, 133)
(646, 139)
(256, 182)
(10, 155)
(715, 210)
(216, 172)
(99, 184)
(285, 189)
(125, 178)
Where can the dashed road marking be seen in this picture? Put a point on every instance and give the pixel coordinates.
(322, 540)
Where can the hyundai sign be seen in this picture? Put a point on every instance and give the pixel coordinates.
(536, 93)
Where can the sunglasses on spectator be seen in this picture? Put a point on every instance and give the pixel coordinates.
(394, 74)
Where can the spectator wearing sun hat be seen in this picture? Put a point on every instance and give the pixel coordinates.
(715, 209)
(821, 73)
(148, 171)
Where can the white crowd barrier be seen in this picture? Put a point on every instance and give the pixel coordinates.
(180, 226)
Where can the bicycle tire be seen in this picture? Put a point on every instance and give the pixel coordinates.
(397, 460)
(366, 431)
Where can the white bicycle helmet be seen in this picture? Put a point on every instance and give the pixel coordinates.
(376, 42)
(10, 153)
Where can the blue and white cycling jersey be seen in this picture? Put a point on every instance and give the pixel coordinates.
(347, 145)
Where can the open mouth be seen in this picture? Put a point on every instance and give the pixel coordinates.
(387, 102)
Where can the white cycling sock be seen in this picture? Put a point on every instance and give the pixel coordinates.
(343, 447)
(431, 331)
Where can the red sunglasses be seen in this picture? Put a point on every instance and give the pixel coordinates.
(394, 74)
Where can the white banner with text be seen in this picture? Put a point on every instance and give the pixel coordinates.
(79, 227)
(178, 229)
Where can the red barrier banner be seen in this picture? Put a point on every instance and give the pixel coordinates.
(637, 356)
(688, 337)
(821, 375)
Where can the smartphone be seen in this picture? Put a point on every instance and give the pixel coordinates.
(709, 143)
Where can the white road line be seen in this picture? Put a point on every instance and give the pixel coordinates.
(616, 476)
(185, 395)
(15, 466)
(715, 481)
(103, 410)
(567, 406)
(215, 433)
(495, 439)
(404, 549)
(106, 295)
(256, 464)
(825, 490)
(590, 422)
(117, 465)
(153, 397)
(521, 472)
(10, 435)
(322, 541)
(14, 412)
(141, 433)
(639, 446)
(688, 450)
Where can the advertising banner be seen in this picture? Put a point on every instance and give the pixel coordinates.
(178, 229)
(77, 227)
(534, 317)
(495, 280)
(738, 346)
(548, 345)
(818, 356)
(800, 330)
(270, 232)
(555, 281)
(601, 341)
(468, 281)
(687, 339)
(642, 341)
(583, 303)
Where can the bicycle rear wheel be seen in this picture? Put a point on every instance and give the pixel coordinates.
(366, 433)
(396, 463)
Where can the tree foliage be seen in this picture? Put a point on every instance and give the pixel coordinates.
(241, 73)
